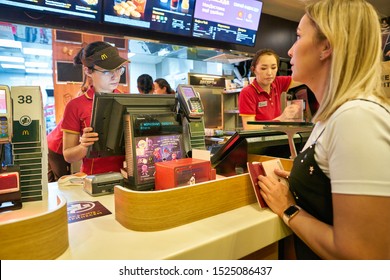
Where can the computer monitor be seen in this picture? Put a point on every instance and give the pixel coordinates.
(107, 118)
(231, 158)
(143, 127)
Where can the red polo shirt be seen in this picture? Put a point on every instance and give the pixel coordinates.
(54, 139)
(253, 100)
(77, 116)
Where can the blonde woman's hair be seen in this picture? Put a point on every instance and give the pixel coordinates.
(352, 28)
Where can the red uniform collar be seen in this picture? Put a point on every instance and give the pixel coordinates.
(259, 89)
(90, 93)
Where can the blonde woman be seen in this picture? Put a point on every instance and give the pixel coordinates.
(338, 204)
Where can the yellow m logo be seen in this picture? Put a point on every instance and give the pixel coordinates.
(25, 132)
(103, 56)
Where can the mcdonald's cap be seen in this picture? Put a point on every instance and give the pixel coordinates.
(107, 58)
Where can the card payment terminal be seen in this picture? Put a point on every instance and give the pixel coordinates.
(190, 105)
(190, 102)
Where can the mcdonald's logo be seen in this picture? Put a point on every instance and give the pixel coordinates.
(25, 132)
(103, 56)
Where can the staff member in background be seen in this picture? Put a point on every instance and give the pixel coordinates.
(58, 166)
(261, 100)
(161, 86)
(103, 65)
(145, 84)
(338, 203)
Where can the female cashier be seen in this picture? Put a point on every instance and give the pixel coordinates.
(103, 66)
(261, 100)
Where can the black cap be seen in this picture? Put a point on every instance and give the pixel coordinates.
(108, 58)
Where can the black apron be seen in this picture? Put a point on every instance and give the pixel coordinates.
(312, 191)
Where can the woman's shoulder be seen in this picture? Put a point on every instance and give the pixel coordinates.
(361, 106)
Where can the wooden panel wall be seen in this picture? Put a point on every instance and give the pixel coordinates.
(65, 51)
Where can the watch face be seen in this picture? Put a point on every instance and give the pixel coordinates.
(291, 210)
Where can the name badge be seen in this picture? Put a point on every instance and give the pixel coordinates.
(262, 104)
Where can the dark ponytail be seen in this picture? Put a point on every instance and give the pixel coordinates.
(145, 84)
(163, 83)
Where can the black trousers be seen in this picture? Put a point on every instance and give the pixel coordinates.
(58, 167)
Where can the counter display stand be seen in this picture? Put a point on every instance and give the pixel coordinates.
(38, 231)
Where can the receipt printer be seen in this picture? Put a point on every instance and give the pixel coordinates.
(101, 184)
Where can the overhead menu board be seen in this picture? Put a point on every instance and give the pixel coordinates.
(82, 9)
(168, 16)
(232, 21)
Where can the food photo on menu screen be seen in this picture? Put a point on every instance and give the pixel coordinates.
(169, 16)
(232, 21)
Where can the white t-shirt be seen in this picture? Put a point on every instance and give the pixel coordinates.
(354, 149)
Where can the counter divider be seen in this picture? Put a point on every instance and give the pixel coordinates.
(160, 210)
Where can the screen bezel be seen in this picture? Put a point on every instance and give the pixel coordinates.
(107, 118)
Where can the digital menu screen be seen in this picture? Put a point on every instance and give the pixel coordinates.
(168, 16)
(233, 21)
(82, 9)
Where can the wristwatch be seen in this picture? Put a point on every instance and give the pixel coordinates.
(290, 213)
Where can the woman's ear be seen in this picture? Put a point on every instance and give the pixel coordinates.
(326, 50)
(87, 71)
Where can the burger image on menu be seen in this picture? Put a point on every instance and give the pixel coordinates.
(132, 9)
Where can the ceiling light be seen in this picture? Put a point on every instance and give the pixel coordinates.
(10, 44)
(39, 71)
(163, 52)
(16, 59)
(12, 66)
(36, 64)
(35, 51)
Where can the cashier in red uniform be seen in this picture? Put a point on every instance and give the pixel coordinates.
(261, 100)
(103, 65)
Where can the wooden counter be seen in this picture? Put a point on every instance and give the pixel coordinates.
(230, 235)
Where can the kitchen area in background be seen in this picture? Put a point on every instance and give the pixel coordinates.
(27, 58)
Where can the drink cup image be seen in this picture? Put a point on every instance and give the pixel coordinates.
(185, 6)
(174, 4)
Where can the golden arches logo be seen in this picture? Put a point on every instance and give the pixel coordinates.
(25, 132)
(103, 56)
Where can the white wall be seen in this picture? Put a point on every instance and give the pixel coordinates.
(15, 79)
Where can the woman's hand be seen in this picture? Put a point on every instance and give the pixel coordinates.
(277, 195)
(89, 137)
(292, 112)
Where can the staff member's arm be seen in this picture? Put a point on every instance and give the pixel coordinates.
(75, 148)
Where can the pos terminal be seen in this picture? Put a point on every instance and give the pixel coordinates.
(190, 105)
